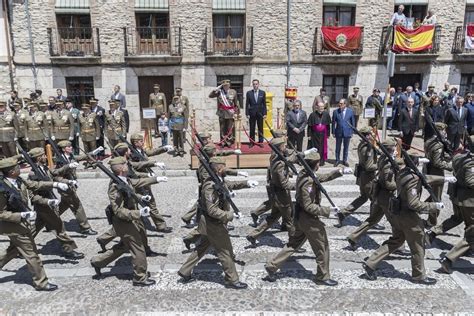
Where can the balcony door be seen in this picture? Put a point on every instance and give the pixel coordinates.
(153, 33)
(75, 34)
(229, 30)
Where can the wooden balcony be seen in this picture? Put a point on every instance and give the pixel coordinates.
(234, 44)
(78, 45)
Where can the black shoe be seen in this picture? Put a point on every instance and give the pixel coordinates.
(340, 220)
(402, 252)
(352, 244)
(74, 255)
(255, 219)
(102, 245)
(446, 265)
(151, 253)
(328, 282)
(147, 282)
(270, 277)
(237, 285)
(429, 238)
(252, 241)
(337, 163)
(98, 273)
(89, 232)
(165, 230)
(369, 272)
(300, 250)
(49, 287)
(378, 227)
(186, 278)
(260, 145)
(346, 164)
(187, 243)
(424, 281)
(251, 145)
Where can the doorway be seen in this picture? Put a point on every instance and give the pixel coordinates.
(145, 87)
(404, 80)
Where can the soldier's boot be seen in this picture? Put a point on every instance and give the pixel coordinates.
(446, 265)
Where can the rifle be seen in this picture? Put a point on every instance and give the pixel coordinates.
(218, 183)
(269, 127)
(364, 139)
(447, 147)
(57, 152)
(112, 150)
(424, 182)
(14, 197)
(280, 155)
(135, 153)
(201, 149)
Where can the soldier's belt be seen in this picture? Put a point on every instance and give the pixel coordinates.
(226, 108)
(88, 130)
(6, 128)
(34, 129)
(62, 127)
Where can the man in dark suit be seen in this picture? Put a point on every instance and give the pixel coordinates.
(60, 96)
(456, 120)
(120, 97)
(256, 111)
(408, 123)
(342, 131)
(296, 121)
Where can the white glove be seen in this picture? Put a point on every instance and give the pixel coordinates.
(439, 205)
(77, 134)
(423, 160)
(53, 203)
(145, 211)
(29, 216)
(27, 139)
(161, 179)
(73, 165)
(151, 175)
(238, 215)
(97, 138)
(243, 174)
(146, 198)
(15, 139)
(72, 182)
(335, 209)
(71, 138)
(252, 183)
(346, 170)
(232, 194)
(97, 150)
(53, 137)
(168, 147)
(238, 152)
(311, 150)
(450, 179)
(160, 165)
(60, 186)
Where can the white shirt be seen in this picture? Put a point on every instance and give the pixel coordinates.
(124, 179)
(13, 182)
(255, 94)
(398, 19)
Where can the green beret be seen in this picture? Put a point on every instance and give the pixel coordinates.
(217, 160)
(117, 161)
(209, 148)
(440, 126)
(389, 142)
(36, 152)
(365, 130)
(279, 132)
(312, 156)
(64, 143)
(121, 146)
(8, 163)
(204, 134)
(277, 141)
(136, 136)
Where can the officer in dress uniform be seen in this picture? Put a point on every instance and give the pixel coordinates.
(35, 122)
(62, 123)
(157, 101)
(114, 123)
(356, 103)
(179, 114)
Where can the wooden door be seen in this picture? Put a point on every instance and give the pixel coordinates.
(145, 87)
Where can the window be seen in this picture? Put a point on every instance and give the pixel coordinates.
(236, 83)
(228, 6)
(153, 25)
(415, 12)
(469, 16)
(467, 84)
(80, 89)
(151, 5)
(72, 6)
(338, 15)
(75, 34)
(336, 87)
(228, 25)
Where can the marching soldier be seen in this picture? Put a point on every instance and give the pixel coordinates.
(216, 213)
(365, 174)
(69, 199)
(407, 225)
(15, 222)
(227, 107)
(179, 114)
(157, 101)
(21, 117)
(126, 221)
(90, 129)
(62, 123)
(8, 128)
(356, 103)
(114, 123)
(308, 226)
(36, 121)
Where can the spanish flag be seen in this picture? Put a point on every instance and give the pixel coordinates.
(419, 39)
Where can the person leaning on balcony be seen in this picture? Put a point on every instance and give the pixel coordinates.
(157, 101)
(399, 18)
(430, 19)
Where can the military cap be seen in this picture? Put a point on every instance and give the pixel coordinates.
(389, 142)
(8, 163)
(365, 130)
(59, 102)
(277, 141)
(312, 156)
(26, 99)
(120, 146)
(225, 82)
(32, 104)
(204, 134)
(156, 85)
(17, 103)
(376, 90)
(355, 88)
(209, 148)
(176, 97)
(42, 104)
(280, 132)
(217, 160)
(111, 101)
(440, 126)
(85, 106)
(68, 100)
(36, 152)
(136, 136)
(431, 86)
(3, 103)
(178, 89)
(93, 100)
(117, 161)
(64, 143)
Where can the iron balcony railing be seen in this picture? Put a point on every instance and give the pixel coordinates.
(319, 49)
(386, 41)
(460, 42)
(229, 41)
(151, 41)
(74, 41)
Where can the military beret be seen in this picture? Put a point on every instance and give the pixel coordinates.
(85, 106)
(312, 156)
(217, 160)
(225, 82)
(209, 148)
(389, 142)
(277, 141)
(36, 152)
(440, 126)
(8, 163)
(365, 130)
(280, 132)
(415, 153)
(117, 161)
(136, 136)
(204, 134)
(64, 143)
(120, 146)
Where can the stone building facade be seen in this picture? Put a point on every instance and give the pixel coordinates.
(194, 43)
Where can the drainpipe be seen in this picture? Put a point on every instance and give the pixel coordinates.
(32, 46)
(8, 38)
(288, 47)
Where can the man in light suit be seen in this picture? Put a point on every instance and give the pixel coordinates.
(120, 97)
(296, 121)
(408, 123)
(456, 120)
(342, 131)
(256, 111)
